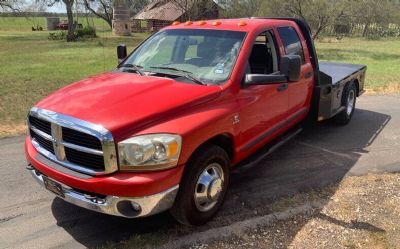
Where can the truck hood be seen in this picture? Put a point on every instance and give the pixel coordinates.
(124, 102)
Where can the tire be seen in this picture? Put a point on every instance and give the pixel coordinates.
(189, 207)
(349, 101)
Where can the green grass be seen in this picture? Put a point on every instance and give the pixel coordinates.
(381, 56)
(25, 23)
(31, 66)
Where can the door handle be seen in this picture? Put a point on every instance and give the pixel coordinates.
(282, 87)
(308, 75)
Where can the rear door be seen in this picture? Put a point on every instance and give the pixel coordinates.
(299, 92)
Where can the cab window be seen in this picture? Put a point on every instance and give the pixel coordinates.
(264, 57)
(291, 42)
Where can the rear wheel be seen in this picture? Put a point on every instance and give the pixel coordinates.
(349, 101)
(203, 186)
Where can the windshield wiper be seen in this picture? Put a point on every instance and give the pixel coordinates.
(186, 74)
(137, 68)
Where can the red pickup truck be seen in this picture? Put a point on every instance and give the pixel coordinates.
(193, 101)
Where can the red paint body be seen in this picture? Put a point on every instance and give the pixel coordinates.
(129, 104)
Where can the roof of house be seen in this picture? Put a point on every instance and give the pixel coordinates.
(166, 10)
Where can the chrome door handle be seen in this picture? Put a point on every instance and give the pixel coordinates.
(282, 87)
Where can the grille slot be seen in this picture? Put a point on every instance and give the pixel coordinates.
(80, 138)
(40, 124)
(84, 159)
(46, 144)
(75, 149)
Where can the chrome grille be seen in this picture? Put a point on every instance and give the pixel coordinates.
(81, 139)
(74, 143)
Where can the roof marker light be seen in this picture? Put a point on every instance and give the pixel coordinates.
(176, 23)
(202, 23)
(242, 23)
(188, 23)
(216, 23)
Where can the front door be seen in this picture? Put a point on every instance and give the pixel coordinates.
(263, 108)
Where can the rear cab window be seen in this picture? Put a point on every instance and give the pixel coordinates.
(291, 42)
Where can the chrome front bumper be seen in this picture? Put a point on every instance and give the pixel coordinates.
(129, 207)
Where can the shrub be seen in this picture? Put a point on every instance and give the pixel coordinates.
(86, 32)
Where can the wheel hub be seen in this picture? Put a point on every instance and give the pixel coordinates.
(350, 102)
(209, 187)
(214, 189)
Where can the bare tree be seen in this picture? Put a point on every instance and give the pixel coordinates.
(101, 8)
(241, 8)
(194, 9)
(70, 16)
(10, 5)
(318, 13)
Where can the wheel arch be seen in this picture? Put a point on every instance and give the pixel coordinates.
(357, 84)
(223, 140)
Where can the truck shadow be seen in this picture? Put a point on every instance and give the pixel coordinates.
(320, 156)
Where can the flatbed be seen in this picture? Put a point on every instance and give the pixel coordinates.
(339, 71)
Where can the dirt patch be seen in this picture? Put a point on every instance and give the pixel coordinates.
(363, 213)
(12, 130)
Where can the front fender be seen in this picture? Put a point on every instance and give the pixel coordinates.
(198, 126)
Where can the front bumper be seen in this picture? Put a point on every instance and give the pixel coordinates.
(129, 207)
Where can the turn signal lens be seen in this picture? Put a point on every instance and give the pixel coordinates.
(216, 23)
(202, 23)
(188, 23)
(176, 23)
(242, 23)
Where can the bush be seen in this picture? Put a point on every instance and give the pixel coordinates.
(86, 32)
(57, 35)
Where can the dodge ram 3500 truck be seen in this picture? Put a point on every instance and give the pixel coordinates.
(196, 99)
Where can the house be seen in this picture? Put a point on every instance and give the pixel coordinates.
(161, 13)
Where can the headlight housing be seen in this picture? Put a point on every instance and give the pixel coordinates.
(149, 152)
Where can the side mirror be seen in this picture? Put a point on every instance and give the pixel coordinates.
(121, 53)
(290, 66)
(264, 79)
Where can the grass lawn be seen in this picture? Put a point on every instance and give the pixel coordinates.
(31, 66)
(381, 56)
(26, 23)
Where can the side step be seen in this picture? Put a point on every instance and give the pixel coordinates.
(262, 153)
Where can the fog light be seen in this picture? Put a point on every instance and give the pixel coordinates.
(129, 208)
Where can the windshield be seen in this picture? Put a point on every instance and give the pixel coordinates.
(207, 55)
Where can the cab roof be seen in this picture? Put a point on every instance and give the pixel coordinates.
(237, 24)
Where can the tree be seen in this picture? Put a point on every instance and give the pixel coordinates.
(101, 8)
(319, 14)
(194, 9)
(241, 8)
(136, 5)
(70, 16)
(10, 5)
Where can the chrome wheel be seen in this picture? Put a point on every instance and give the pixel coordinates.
(209, 187)
(350, 102)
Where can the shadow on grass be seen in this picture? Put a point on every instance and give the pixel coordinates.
(321, 156)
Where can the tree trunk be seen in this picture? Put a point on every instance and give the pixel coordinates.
(366, 28)
(70, 16)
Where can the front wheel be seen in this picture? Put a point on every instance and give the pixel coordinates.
(203, 186)
(349, 101)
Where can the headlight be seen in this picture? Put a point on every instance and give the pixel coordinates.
(149, 152)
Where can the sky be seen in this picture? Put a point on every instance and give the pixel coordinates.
(58, 7)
